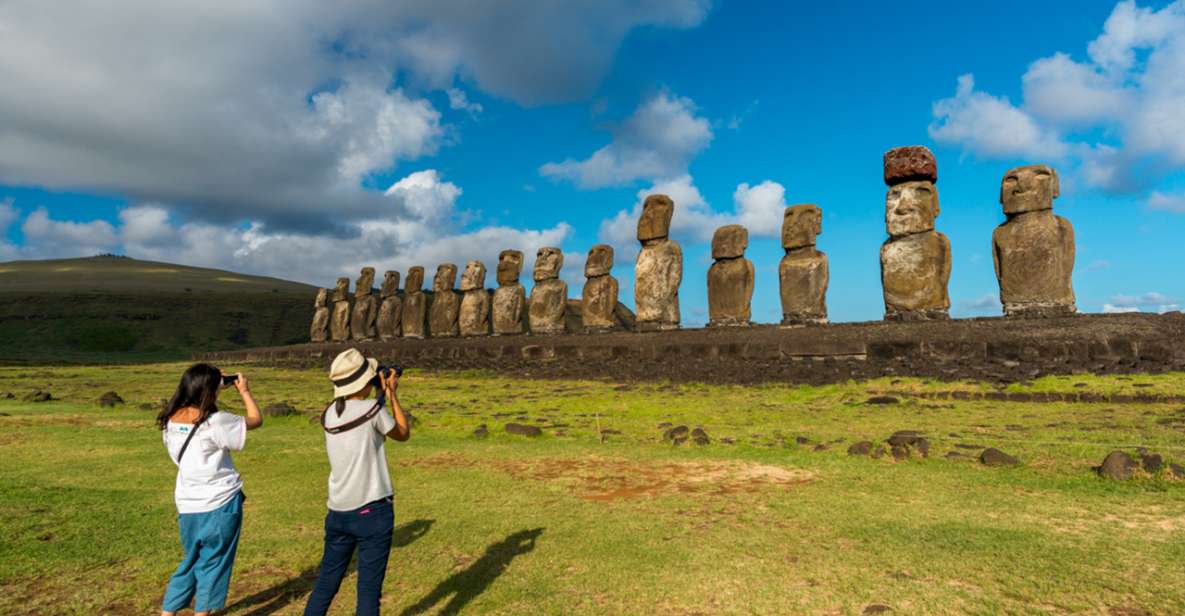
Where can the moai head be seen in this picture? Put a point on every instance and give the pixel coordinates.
(655, 222)
(548, 262)
(911, 207)
(730, 242)
(910, 163)
(446, 278)
(415, 280)
(341, 292)
(390, 284)
(510, 265)
(474, 277)
(322, 297)
(599, 261)
(1029, 189)
(800, 225)
(365, 282)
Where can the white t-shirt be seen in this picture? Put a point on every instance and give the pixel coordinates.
(357, 462)
(206, 478)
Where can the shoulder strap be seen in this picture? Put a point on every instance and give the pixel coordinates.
(189, 438)
(354, 423)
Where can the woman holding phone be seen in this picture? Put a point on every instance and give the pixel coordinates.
(209, 491)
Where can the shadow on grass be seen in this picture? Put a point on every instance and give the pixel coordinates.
(271, 600)
(465, 585)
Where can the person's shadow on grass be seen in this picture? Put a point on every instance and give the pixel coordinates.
(271, 600)
(465, 585)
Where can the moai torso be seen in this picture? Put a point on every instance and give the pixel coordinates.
(415, 304)
(549, 296)
(1033, 250)
(339, 322)
(803, 273)
(659, 269)
(510, 299)
(475, 301)
(362, 320)
(391, 310)
(446, 304)
(915, 260)
(319, 329)
(599, 297)
(730, 279)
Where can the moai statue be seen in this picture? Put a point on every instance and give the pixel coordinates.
(319, 330)
(391, 309)
(549, 296)
(599, 298)
(415, 304)
(510, 299)
(803, 272)
(915, 260)
(446, 303)
(362, 321)
(659, 268)
(339, 322)
(475, 301)
(1033, 250)
(730, 279)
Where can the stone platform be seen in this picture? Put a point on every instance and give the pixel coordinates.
(995, 349)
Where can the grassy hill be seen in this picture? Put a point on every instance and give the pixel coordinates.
(102, 309)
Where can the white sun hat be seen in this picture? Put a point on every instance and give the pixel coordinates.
(351, 372)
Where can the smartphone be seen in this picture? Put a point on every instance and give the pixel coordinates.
(229, 379)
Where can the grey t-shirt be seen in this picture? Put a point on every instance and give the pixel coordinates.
(357, 462)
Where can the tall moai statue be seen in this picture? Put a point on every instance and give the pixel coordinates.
(549, 296)
(1033, 250)
(415, 304)
(475, 301)
(362, 320)
(446, 304)
(659, 268)
(730, 279)
(510, 299)
(339, 322)
(319, 329)
(915, 260)
(803, 273)
(391, 308)
(599, 298)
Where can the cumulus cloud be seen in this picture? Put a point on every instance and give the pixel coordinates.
(46, 237)
(1148, 302)
(458, 100)
(990, 125)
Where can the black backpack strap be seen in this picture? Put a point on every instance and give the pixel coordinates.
(354, 423)
(189, 438)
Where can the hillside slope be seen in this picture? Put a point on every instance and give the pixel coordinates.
(121, 309)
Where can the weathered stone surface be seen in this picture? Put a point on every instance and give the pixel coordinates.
(1117, 465)
(474, 277)
(339, 323)
(390, 308)
(655, 221)
(390, 287)
(910, 163)
(524, 429)
(803, 276)
(475, 313)
(730, 292)
(508, 308)
(319, 329)
(415, 304)
(801, 224)
(862, 448)
(911, 207)
(110, 398)
(915, 270)
(599, 261)
(658, 273)
(599, 304)
(730, 242)
(365, 312)
(1152, 462)
(279, 409)
(994, 457)
(549, 301)
(548, 263)
(1033, 251)
(446, 303)
(510, 266)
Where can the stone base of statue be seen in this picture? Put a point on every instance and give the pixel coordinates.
(1039, 310)
(802, 320)
(936, 314)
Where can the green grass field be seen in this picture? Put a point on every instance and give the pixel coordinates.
(598, 516)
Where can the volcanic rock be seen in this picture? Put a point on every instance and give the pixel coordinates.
(994, 457)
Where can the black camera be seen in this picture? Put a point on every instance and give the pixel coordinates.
(384, 370)
(229, 379)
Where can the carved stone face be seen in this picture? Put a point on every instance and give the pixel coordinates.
(341, 292)
(510, 265)
(548, 262)
(730, 242)
(599, 262)
(446, 277)
(390, 284)
(415, 280)
(322, 297)
(800, 225)
(655, 222)
(365, 282)
(911, 207)
(474, 277)
(1029, 189)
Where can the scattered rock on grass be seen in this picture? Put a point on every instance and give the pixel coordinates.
(862, 448)
(1152, 462)
(38, 396)
(955, 455)
(821, 447)
(900, 452)
(1117, 465)
(678, 433)
(279, 409)
(923, 447)
(8, 395)
(110, 399)
(994, 457)
(802, 440)
(1176, 470)
(699, 437)
(524, 430)
(876, 608)
(904, 437)
(882, 400)
(481, 432)
(879, 452)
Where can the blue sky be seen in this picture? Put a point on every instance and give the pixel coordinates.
(280, 140)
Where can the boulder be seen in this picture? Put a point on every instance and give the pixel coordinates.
(994, 457)
(881, 400)
(1117, 465)
(110, 399)
(699, 437)
(280, 409)
(1152, 462)
(862, 448)
(481, 432)
(38, 396)
(671, 434)
(524, 429)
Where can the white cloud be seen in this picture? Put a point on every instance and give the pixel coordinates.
(990, 126)
(45, 237)
(1167, 202)
(984, 305)
(760, 208)
(425, 196)
(8, 215)
(1148, 302)
(458, 100)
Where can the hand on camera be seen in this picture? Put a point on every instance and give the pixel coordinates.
(241, 384)
(390, 381)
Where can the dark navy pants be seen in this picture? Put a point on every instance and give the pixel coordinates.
(366, 529)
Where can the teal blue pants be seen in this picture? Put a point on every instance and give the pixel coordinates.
(209, 540)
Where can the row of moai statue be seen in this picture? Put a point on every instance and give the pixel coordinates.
(1033, 253)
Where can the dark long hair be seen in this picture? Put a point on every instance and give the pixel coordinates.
(198, 388)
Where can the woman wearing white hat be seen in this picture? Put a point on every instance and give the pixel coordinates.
(361, 500)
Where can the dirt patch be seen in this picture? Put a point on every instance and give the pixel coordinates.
(611, 479)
